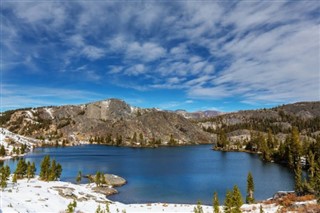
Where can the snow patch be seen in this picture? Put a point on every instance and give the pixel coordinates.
(29, 114)
(106, 103)
(49, 111)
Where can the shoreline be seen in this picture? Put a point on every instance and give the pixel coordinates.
(40, 196)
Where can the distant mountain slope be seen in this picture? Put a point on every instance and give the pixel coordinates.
(199, 114)
(110, 121)
(280, 120)
(15, 144)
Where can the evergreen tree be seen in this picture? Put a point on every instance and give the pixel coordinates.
(317, 183)
(33, 170)
(2, 151)
(295, 146)
(261, 209)
(79, 177)
(198, 208)
(53, 168)
(99, 210)
(222, 140)
(134, 138)
(71, 207)
(29, 170)
(237, 200)
(7, 171)
(107, 207)
(14, 178)
(250, 189)
(312, 168)
(298, 187)
(21, 169)
(57, 170)
(103, 179)
(172, 141)
(50, 171)
(215, 203)
(228, 202)
(98, 178)
(45, 168)
(4, 175)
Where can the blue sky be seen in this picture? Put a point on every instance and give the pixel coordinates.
(194, 55)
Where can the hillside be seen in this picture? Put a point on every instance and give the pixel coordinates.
(239, 126)
(110, 121)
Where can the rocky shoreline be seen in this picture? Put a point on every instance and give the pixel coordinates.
(38, 196)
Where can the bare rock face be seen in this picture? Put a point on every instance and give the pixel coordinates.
(111, 121)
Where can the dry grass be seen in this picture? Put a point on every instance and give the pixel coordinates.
(288, 203)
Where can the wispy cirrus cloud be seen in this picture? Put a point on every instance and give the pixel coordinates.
(253, 51)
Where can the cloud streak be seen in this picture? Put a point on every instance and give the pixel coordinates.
(251, 51)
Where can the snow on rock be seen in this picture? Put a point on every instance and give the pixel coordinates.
(49, 111)
(40, 196)
(134, 109)
(105, 103)
(10, 140)
(29, 114)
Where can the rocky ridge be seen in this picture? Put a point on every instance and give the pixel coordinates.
(111, 121)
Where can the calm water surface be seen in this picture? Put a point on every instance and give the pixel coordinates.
(175, 174)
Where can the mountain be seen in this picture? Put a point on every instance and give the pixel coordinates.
(110, 121)
(199, 114)
(239, 126)
(14, 143)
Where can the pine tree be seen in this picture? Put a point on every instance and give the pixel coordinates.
(261, 209)
(52, 175)
(98, 178)
(295, 146)
(237, 200)
(3, 177)
(317, 182)
(103, 179)
(107, 207)
(250, 189)
(134, 138)
(21, 169)
(14, 178)
(33, 170)
(71, 207)
(228, 202)
(45, 168)
(312, 168)
(2, 151)
(298, 180)
(29, 170)
(79, 177)
(99, 210)
(215, 203)
(198, 208)
(57, 171)
(7, 171)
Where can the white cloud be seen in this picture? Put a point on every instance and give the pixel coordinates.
(135, 70)
(146, 52)
(92, 52)
(17, 96)
(258, 51)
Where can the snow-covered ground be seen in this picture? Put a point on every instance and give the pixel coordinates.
(39, 196)
(9, 140)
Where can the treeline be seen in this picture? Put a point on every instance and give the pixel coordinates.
(263, 124)
(138, 139)
(16, 150)
(293, 153)
(49, 171)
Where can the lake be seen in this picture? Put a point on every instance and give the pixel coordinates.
(169, 174)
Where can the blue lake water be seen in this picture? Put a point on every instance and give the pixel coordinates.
(169, 174)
